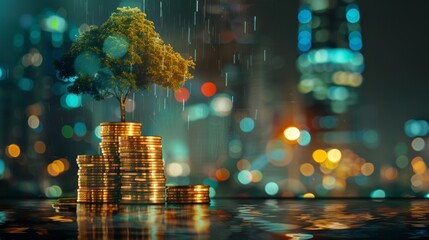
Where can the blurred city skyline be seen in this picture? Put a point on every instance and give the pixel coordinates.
(248, 50)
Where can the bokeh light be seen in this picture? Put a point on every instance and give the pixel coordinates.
(319, 155)
(67, 131)
(418, 165)
(115, 46)
(304, 15)
(418, 144)
(33, 121)
(352, 14)
(306, 169)
(379, 193)
(80, 129)
(278, 152)
(304, 138)
(221, 105)
(2, 168)
(292, 133)
(87, 63)
(174, 169)
(53, 191)
(40, 147)
(244, 177)
(334, 155)
(13, 150)
(308, 195)
(243, 164)
(271, 188)
(222, 174)
(182, 95)
(367, 169)
(247, 124)
(208, 89)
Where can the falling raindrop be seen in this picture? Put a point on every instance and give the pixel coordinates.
(165, 103)
(144, 6)
(254, 23)
(226, 79)
(188, 121)
(265, 55)
(234, 59)
(195, 18)
(196, 7)
(183, 104)
(189, 35)
(160, 9)
(195, 55)
(256, 114)
(245, 27)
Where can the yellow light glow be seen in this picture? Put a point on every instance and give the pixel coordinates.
(320, 155)
(39, 147)
(334, 155)
(306, 169)
(419, 166)
(330, 165)
(309, 195)
(58, 166)
(222, 174)
(13, 151)
(52, 171)
(367, 169)
(292, 133)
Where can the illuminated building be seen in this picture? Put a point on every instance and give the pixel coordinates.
(330, 62)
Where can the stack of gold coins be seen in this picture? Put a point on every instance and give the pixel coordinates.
(110, 131)
(142, 170)
(188, 194)
(98, 179)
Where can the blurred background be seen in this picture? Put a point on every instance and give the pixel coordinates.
(310, 98)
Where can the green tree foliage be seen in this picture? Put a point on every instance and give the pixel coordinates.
(123, 55)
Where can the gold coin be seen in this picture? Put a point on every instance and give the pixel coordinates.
(136, 138)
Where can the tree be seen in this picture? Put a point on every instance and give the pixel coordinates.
(123, 55)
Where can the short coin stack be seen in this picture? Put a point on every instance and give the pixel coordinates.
(142, 170)
(98, 179)
(188, 194)
(110, 132)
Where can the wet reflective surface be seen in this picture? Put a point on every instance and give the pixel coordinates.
(222, 219)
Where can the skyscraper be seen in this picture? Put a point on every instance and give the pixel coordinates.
(330, 61)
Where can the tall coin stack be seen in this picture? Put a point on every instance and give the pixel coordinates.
(142, 170)
(188, 194)
(110, 132)
(98, 179)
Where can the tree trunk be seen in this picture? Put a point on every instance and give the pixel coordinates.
(123, 109)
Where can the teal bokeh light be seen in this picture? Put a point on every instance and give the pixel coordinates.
(271, 188)
(247, 124)
(378, 194)
(25, 84)
(115, 46)
(80, 129)
(353, 15)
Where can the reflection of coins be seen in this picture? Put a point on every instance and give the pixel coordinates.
(188, 194)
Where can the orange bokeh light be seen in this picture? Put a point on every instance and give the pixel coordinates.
(222, 174)
(208, 89)
(13, 151)
(182, 95)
